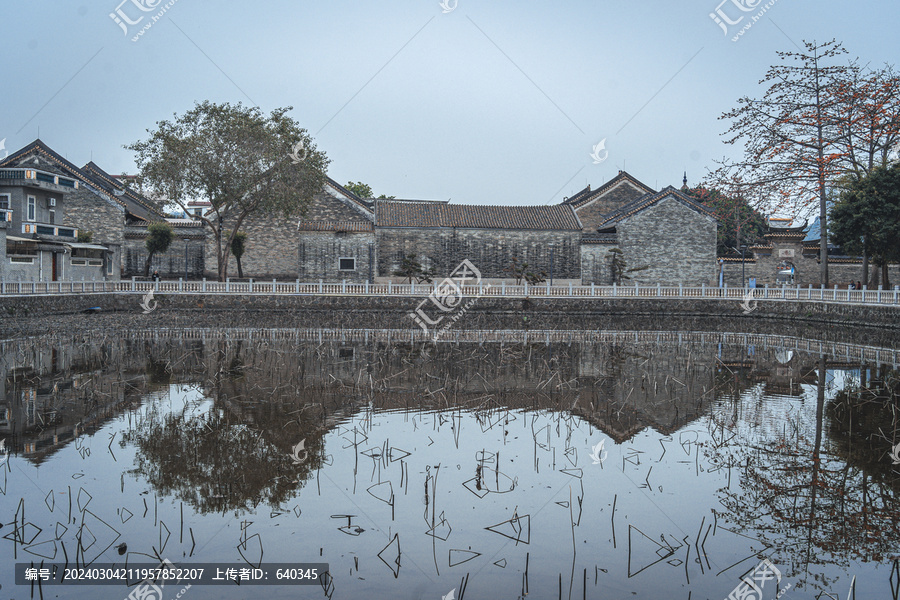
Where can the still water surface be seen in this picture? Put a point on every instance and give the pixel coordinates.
(622, 468)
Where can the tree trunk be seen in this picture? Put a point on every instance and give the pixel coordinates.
(876, 279)
(240, 270)
(865, 276)
(220, 263)
(147, 265)
(884, 275)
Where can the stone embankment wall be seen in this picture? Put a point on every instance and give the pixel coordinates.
(871, 325)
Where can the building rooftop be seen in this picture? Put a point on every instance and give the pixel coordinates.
(648, 200)
(392, 213)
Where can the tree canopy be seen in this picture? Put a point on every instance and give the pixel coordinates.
(739, 222)
(363, 190)
(240, 160)
(159, 238)
(866, 219)
(820, 118)
(238, 243)
(411, 268)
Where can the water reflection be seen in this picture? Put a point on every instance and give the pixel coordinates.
(414, 469)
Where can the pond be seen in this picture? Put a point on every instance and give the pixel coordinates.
(632, 465)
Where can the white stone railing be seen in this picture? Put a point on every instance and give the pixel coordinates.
(498, 290)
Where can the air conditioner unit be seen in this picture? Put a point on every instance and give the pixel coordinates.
(52, 201)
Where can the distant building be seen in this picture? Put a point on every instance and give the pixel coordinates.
(657, 237)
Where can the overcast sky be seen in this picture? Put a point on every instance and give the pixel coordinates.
(494, 102)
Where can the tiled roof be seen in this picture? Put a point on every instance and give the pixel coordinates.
(63, 165)
(390, 213)
(582, 198)
(574, 199)
(329, 182)
(182, 223)
(649, 200)
(335, 226)
(600, 238)
(133, 202)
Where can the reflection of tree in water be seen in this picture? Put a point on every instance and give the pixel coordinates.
(813, 508)
(864, 423)
(216, 462)
(237, 453)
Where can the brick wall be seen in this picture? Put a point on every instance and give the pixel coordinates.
(676, 243)
(170, 263)
(320, 252)
(838, 273)
(273, 246)
(490, 250)
(87, 211)
(595, 264)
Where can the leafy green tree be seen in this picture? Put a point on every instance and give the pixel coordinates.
(159, 238)
(85, 237)
(410, 268)
(238, 242)
(866, 220)
(241, 161)
(517, 269)
(535, 278)
(363, 190)
(739, 222)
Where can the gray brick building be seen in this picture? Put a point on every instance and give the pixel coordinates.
(661, 237)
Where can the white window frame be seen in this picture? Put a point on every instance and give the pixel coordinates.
(343, 258)
(31, 209)
(51, 216)
(8, 201)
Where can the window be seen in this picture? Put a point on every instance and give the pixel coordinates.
(31, 209)
(4, 202)
(346, 264)
(52, 216)
(109, 265)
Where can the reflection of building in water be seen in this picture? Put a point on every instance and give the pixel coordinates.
(52, 393)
